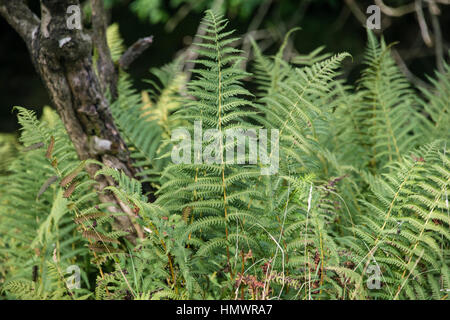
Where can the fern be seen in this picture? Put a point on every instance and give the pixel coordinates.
(357, 207)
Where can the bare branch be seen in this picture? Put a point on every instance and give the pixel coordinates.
(254, 24)
(63, 58)
(433, 7)
(135, 51)
(21, 18)
(395, 12)
(442, 1)
(423, 24)
(190, 53)
(408, 74)
(356, 11)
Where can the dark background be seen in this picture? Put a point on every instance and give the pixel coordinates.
(324, 22)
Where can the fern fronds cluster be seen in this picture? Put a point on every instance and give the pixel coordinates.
(357, 207)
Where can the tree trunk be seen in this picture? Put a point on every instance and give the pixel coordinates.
(63, 59)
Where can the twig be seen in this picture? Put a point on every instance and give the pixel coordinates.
(356, 11)
(395, 12)
(262, 11)
(295, 20)
(190, 53)
(408, 74)
(434, 8)
(105, 65)
(441, 1)
(180, 15)
(439, 49)
(423, 24)
(341, 20)
(21, 18)
(134, 52)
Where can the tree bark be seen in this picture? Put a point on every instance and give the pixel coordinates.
(63, 59)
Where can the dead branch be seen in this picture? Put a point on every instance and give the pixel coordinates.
(63, 59)
(134, 52)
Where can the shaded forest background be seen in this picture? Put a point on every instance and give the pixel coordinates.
(174, 23)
